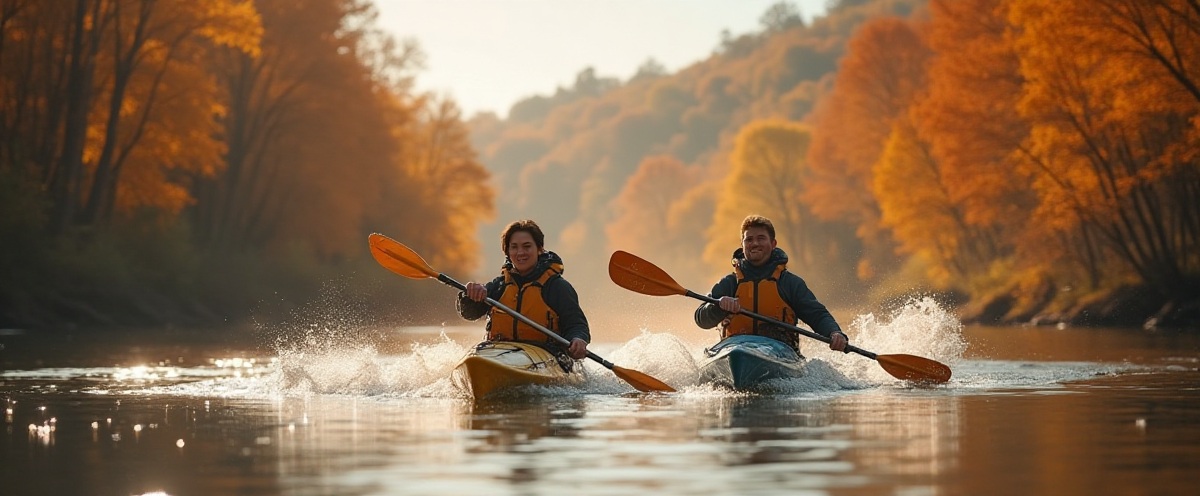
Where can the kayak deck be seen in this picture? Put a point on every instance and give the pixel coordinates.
(494, 366)
(747, 362)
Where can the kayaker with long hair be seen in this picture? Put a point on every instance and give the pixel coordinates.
(761, 283)
(531, 283)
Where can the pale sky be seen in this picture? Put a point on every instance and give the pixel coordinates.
(488, 54)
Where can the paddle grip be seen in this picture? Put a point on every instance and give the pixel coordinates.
(849, 348)
(517, 315)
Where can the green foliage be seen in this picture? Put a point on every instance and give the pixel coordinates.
(22, 222)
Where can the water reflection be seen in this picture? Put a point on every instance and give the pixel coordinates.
(1072, 425)
(903, 432)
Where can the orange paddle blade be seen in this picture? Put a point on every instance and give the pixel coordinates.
(641, 381)
(914, 368)
(637, 275)
(396, 257)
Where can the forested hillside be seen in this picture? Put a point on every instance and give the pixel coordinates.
(208, 162)
(641, 165)
(1029, 162)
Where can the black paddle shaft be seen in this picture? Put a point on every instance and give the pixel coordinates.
(517, 315)
(785, 325)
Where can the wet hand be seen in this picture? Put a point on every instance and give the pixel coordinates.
(578, 349)
(838, 342)
(476, 291)
(729, 304)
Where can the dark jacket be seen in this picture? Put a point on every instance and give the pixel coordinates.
(792, 289)
(558, 294)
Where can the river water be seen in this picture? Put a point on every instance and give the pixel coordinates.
(1028, 411)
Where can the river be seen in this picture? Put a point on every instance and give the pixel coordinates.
(1038, 410)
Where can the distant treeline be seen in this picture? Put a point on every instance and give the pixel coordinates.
(1030, 160)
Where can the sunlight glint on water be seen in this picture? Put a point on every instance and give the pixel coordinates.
(340, 410)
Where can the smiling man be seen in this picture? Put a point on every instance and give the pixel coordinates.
(761, 283)
(531, 283)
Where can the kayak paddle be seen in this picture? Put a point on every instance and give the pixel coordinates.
(635, 274)
(396, 257)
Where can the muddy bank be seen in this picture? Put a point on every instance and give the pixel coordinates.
(1126, 306)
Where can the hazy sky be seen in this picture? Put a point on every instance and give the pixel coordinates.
(487, 54)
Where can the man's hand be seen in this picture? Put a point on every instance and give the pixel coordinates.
(476, 291)
(578, 349)
(729, 304)
(838, 341)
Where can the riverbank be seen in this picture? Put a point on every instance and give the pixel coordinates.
(1124, 306)
(124, 308)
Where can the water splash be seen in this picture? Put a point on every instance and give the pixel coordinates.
(919, 327)
(359, 369)
(661, 355)
(341, 356)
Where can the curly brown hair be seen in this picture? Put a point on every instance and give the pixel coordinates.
(758, 221)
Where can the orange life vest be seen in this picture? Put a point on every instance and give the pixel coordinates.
(526, 299)
(761, 297)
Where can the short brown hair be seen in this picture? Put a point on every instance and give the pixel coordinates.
(526, 225)
(758, 221)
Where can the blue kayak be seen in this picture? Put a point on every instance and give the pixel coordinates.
(747, 362)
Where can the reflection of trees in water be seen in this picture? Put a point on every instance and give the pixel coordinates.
(755, 429)
(906, 435)
(510, 422)
(323, 434)
(801, 440)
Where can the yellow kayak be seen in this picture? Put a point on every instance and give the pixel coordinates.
(498, 365)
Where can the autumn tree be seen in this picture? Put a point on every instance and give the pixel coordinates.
(1112, 139)
(160, 99)
(442, 192)
(970, 121)
(915, 201)
(111, 90)
(307, 129)
(877, 82)
(43, 83)
(645, 219)
(769, 173)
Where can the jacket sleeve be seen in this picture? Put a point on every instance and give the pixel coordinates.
(561, 297)
(810, 311)
(709, 315)
(472, 310)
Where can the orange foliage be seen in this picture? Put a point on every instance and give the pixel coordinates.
(1109, 121)
(970, 115)
(643, 220)
(156, 115)
(915, 205)
(452, 186)
(879, 79)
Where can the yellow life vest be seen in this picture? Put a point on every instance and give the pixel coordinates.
(527, 299)
(761, 297)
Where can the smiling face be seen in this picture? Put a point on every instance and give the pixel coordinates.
(522, 251)
(757, 245)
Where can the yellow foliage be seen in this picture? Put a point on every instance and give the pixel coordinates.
(651, 212)
(768, 174)
(232, 23)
